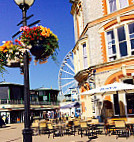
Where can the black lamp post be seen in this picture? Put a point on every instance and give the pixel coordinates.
(27, 131)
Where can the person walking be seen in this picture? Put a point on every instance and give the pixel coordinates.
(72, 116)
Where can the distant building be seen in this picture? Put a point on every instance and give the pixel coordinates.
(44, 94)
(12, 101)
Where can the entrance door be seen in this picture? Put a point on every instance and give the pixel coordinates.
(116, 104)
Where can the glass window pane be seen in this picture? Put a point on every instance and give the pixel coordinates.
(84, 50)
(123, 49)
(121, 34)
(131, 28)
(111, 43)
(85, 63)
(85, 56)
(113, 49)
(132, 36)
(110, 35)
(123, 3)
(132, 44)
(112, 5)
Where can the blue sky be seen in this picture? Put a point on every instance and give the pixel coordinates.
(54, 14)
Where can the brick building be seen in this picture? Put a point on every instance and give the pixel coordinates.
(104, 51)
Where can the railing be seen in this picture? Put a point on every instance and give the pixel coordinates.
(11, 102)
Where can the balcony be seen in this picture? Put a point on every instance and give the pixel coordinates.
(17, 102)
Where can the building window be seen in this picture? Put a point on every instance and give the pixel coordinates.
(131, 35)
(78, 59)
(128, 81)
(111, 45)
(120, 39)
(123, 3)
(130, 103)
(117, 4)
(85, 63)
(112, 5)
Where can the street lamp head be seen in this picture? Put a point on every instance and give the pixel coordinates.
(26, 3)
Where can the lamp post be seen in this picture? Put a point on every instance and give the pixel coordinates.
(27, 131)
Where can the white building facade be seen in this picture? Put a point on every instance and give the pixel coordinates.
(104, 52)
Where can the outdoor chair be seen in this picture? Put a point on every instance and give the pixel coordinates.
(35, 128)
(83, 128)
(121, 129)
(76, 125)
(130, 124)
(50, 129)
(96, 128)
(69, 128)
(42, 127)
(110, 127)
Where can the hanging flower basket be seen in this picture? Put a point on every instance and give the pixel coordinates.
(42, 41)
(11, 54)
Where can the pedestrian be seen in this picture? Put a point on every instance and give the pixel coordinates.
(66, 116)
(56, 116)
(59, 116)
(1, 122)
(6, 120)
(72, 116)
(45, 116)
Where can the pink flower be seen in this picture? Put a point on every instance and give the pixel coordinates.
(21, 28)
(25, 28)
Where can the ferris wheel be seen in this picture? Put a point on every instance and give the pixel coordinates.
(66, 75)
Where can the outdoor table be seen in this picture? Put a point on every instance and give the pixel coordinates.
(96, 126)
(130, 125)
(108, 127)
(59, 127)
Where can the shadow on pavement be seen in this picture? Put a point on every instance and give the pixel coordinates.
(4, 127)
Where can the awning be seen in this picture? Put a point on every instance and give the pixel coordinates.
(109, 88)
(75, 104)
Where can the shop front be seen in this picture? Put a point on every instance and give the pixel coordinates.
(112, 100)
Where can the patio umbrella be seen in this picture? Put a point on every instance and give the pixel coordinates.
(110, 88)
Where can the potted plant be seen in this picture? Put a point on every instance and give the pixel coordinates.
(41, 41)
